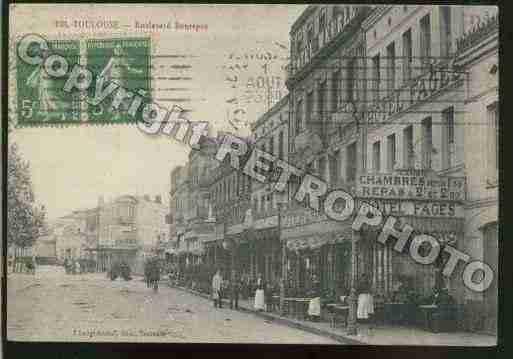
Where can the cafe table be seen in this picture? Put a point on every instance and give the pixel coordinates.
(338, 309)
(427, 315)
(298, 304)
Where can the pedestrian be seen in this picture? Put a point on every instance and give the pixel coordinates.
(260, 293)
(147, 272)
(314, 307)
(234, 289)
(365, 300)
(77, 267)
(155, 274)
(216, 289)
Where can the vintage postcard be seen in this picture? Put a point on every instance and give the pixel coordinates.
(283, 174)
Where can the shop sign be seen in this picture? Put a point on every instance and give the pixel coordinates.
(408, 208)
(301, 218)
(411, 186)
(423, 87)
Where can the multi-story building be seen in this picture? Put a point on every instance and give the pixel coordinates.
(478, 57)
(428, 83)
(130, 228)
(326, 83)
(76, 235)
(270, 134)
(230, 192)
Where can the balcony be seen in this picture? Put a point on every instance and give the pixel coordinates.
(478, 33)
(323, 43)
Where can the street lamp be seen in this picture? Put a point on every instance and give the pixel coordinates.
(352, 325)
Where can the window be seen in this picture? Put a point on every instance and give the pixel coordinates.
(334, 166)
(309, 168)
(448, 138)
(493, 140)
(376, 77)
(334, 90)
(409, 154)
(322, 24)
(427, 142)
(322, 168)
(376, 156)
(407, 56)
(425, 41)
(351, 80)
(321, 100)
(280, 145)
(310, 39)
(445, 31)
(391, 68)
(309, 108)
(391, 153)
(299, 115)
(351, 162)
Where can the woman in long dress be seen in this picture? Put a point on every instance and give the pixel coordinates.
(365, 300)
(216, 289)
(314, 307)
(260, 294)
(118, 70)
(40, 79)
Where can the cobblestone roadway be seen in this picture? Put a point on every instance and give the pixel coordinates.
(59, 307)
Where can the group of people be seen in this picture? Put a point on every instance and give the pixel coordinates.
(236, 287)
(152, 273)
(72, 266)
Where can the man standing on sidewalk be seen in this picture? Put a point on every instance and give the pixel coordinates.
(234, 290)
(216, 289)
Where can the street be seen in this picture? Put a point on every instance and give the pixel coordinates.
(53, 306)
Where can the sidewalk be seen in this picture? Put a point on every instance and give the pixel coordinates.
(375, 335)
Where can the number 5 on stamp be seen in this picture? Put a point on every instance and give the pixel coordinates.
(40, 97)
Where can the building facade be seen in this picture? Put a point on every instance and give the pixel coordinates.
(479, 58)
(130, 229)
(326, 83)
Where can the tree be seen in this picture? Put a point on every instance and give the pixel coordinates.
(24, 219)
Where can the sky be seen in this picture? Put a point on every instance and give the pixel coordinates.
(72, 166)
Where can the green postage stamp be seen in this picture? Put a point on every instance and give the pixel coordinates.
(126, 62)
(41, 98)
(52, 90)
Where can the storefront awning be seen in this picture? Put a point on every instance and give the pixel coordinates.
(315, 241)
